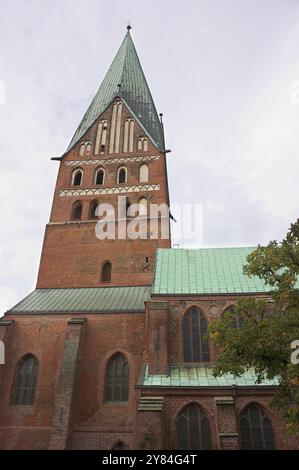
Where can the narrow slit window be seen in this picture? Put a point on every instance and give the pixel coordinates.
(106, 272)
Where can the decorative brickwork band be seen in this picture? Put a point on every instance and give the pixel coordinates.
(112, 161)
(117, 190)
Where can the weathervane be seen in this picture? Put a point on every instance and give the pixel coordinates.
(129, 26)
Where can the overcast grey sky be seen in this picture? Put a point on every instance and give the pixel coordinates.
(221, 71)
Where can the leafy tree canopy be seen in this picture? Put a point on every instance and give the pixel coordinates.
(258, 332)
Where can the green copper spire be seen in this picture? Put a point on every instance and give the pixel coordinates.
(126, 79)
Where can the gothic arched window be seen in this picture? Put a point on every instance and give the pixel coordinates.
(122, 175)
(101, 137)
(237, 320)
(193, 428)
(117, 379)
(143, 173)
(196, 346)
(76, 212)
(25, 381)
(256, 429)
(99, 176)
(77, 177)
(106, 272)
(92, 209)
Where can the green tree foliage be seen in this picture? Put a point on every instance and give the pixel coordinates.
(258, 333)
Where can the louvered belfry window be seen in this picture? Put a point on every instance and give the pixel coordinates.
(193, 428)
(195, 327)
(117, 379)
(256, 430)
(25, 383)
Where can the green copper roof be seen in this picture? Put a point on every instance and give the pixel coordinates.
(126, 71)
(181, 376)
(80, 300)
(204, 271)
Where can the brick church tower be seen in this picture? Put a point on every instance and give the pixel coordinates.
(110, 350)
(116, 157)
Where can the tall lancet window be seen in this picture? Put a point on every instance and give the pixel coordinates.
(256, 429)
(193, 428)
(115, 128)
(195, 327)
(25, 381)
(117, 379)
(129, 135)
(101, 138)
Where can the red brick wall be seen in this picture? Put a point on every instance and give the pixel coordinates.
(211, 306)
(29, 427)
(95, 423)
(105, 334)
(176, 400)
(71, 254)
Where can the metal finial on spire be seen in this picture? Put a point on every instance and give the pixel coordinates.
(129, 26)
(161, 117)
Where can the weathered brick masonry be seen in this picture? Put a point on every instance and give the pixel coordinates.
(109, 351)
